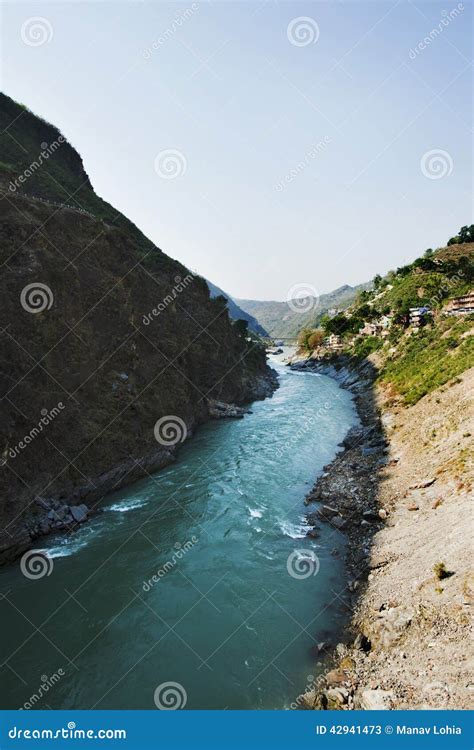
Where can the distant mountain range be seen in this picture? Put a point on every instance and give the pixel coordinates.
(236, 312)
(281, 321)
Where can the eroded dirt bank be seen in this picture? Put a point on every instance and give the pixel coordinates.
(401, 491)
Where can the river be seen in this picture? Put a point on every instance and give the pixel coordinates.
(201, 576)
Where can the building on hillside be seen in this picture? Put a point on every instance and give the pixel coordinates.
(377, 328)
(418, 316)
(334, 342)
(463, 305)
(371, 329)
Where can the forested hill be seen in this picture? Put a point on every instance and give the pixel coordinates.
(97, 318)
(236, 312)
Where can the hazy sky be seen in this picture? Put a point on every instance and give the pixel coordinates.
(301, 149)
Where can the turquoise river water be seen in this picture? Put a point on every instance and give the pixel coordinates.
(201, 576)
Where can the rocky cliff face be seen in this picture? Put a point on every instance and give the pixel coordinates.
(103, 335)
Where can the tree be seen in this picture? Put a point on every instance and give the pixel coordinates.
(403, 270)
(315, 339)
(363, 296)
(366, 312)
(303, 337)
(377, 281)
(341, 324)
(241, 326)
(466, 234)
(337, 324)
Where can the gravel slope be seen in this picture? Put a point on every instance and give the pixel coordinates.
(409, 643)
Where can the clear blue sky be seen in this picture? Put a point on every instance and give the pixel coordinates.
(244, 106)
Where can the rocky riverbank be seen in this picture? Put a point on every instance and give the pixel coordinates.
(65, 513)
(400, 492)
(98, 350)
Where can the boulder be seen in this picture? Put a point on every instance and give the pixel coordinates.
(327, 511)
(369, 515)
(221, 410)
(323, 647)
(376, 700)
(42, 503)
(369, 451)
(337, 696)
(362, 643)
(44, 526)
(423, 485)
(79, 512)
(307, 701)
(336, 677)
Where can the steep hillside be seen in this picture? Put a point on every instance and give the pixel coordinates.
(236, 312)
(415, 354)
(402, 488)
(284, 320)
(102, 336)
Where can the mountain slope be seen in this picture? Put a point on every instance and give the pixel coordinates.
(102, 336)
(281, 321)
(236, 312)
(415, 355)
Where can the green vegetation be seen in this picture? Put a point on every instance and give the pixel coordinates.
(365, 345)
(466, 234)
(413, 359)
(441, 572)
(315, 339)
(282, 322)
(126, 339)
(430, 358)
(38, 161)
(311, 338)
